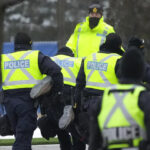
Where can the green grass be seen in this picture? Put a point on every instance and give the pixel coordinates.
(35, 141)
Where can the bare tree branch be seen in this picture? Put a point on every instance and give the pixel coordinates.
(7, 3)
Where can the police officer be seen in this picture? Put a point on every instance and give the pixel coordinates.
(70, 69)
(92, 31)
(21, 70)
(139, 44)
(97, 72)
(121, 119)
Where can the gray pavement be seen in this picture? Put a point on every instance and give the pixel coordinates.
(37, 147)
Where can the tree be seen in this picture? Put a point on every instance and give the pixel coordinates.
(60, 22)
(3, 6)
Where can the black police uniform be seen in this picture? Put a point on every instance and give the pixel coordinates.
(20, 107)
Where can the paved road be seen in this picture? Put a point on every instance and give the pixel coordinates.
(36, 147)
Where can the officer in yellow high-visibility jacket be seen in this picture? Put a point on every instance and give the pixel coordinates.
(97, 72)
(90, 34)
(21, 70)
(70, 68)
(121, 118)
(100, 70)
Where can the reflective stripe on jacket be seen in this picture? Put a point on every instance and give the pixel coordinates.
(85, 41)
(70, 68)
(20, 70)
(99, 70)
(121, 121)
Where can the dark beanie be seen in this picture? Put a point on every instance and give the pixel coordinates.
(65, 51)
(113, 40)
(132, 65)
(22, 41)
(113, 43)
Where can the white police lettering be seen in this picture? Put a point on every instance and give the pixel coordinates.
(18, 64)
(91, 65)
(121, 133)
(65, 63)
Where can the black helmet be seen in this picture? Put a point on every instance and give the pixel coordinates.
(137, 42)
(65, 51)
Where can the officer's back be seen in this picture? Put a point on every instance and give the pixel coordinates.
(120, 120)
(21, 70)
(100, 70)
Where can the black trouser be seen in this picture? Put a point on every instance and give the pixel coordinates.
(54, 112)
(22, 116)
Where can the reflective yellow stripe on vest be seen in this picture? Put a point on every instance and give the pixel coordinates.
(78, 36)
(20, 70)
(97, 71)
(70, 68)
(121, 119)
(105, 32)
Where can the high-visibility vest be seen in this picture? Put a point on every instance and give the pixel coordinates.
(85, 41)
(70, 68)
(99, 70)
(120, 120)
(20, 70)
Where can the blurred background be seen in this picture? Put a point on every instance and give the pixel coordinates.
(55, 20)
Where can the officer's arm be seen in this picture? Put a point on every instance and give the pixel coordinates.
(118, 69)
(147, 73)
(49, 67)
(95, 140)
(144, 104)
(80, 83)
(72, 42)
(111, 30)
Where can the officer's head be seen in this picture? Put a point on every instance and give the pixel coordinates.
(22, 42)
(95, 13)
(113, 43)
(132, 65)
(65, 51)
(136, 42)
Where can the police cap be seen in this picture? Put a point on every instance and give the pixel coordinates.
(95, 8)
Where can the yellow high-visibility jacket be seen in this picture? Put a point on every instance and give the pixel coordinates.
(85, 41)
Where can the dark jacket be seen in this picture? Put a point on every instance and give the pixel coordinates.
(95, 141)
